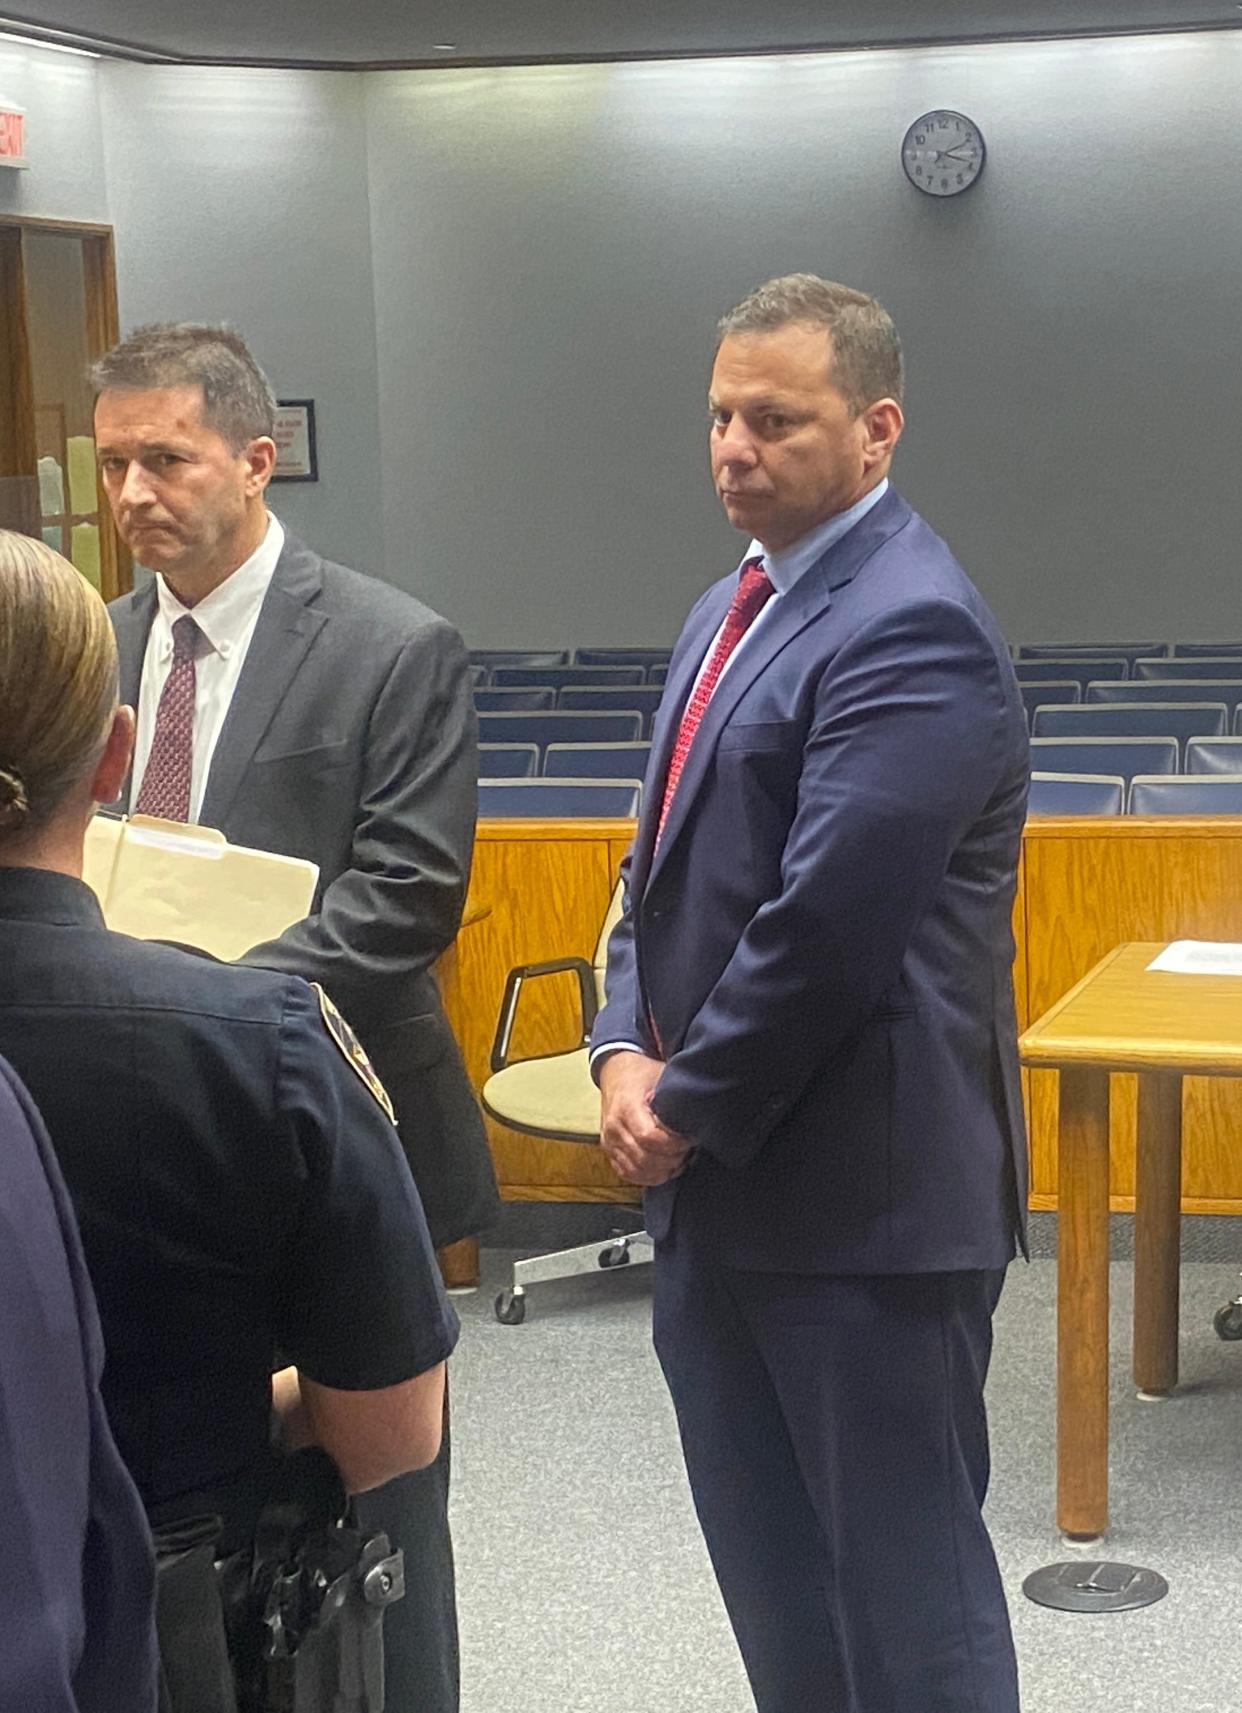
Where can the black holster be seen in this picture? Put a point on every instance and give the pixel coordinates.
(195, 1673)
(298, 1618)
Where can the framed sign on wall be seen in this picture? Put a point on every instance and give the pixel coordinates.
(296, 459)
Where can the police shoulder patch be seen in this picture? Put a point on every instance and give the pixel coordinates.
(351, 1046)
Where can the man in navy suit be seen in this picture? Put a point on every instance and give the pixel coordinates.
(808, 1051)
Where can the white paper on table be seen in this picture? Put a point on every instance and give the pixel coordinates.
(1200, 957)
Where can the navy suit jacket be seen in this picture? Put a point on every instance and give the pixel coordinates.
(822, 945)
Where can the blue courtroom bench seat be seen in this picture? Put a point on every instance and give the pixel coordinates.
(1058, 671)
(1180, 720)
(508, 760)
(519, 677)
(493, 701)
(1127, 651)
(644, 657)
(1119, 758)
(560, 727)
(1189, 650)
(1226, 690)
(642, 698)
(555, 799)
(1214, 755)
(1057, 690)
(1203, 666)
(493, 657)
(1076, 794)
(596, 760)
(1186, 794)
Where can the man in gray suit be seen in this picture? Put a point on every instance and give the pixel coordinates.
(302, 708)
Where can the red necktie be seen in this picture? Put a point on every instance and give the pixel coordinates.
(753, 590)
(166, 782)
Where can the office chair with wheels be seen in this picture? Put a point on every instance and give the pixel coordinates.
(554, 1096)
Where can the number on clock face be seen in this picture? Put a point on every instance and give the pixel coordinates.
(943, 153)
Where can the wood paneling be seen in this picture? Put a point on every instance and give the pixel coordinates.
(541, 889)
(1090, 886)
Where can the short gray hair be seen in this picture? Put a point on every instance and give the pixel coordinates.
(866, 352)
(237, 396)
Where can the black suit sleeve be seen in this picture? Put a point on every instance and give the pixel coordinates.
(397, 906)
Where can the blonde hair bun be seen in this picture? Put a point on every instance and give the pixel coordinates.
(14, 803)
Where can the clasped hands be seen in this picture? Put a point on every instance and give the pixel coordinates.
(641, 1149)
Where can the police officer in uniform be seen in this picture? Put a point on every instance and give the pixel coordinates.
(237, 1178)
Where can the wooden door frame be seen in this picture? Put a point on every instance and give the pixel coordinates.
(103, 329)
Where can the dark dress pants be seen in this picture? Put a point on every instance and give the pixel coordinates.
(422, 1672)
(836, 1442)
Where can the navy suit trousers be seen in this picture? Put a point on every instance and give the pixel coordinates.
(836, 1442)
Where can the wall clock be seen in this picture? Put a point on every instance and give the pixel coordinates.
(943, 153)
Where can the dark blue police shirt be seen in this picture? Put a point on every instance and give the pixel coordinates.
(238, 1187)
(77, 1582)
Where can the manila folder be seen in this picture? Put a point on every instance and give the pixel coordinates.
(164, 880)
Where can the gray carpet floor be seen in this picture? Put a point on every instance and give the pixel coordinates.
(584, 1585)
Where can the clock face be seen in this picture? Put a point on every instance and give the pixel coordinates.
(943, 153)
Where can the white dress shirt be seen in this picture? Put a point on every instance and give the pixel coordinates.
(784, 569)
(226, 619)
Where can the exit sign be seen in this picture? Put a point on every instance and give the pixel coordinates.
(12, 136)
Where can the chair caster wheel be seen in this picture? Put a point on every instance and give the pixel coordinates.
(1228, 1322)
(616, 1255)
(510, 1308)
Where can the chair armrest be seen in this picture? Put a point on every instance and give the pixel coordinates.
(513, 986)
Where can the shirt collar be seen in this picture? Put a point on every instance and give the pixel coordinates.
(45, 895)
(791, 563)
(226, 614)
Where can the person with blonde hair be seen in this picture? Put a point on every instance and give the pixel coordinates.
(239, 1185)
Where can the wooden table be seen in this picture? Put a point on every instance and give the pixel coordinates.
(1122, 1017)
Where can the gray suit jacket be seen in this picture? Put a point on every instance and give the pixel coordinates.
(351, 741)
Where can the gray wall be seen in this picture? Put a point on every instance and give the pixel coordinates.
(241, 196)
(553, 244)
(64, 135)
(238, 196)
(531, 291)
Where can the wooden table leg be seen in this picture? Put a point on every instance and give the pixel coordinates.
(1082, 1304)
(1157, 1233)
(459, 1264)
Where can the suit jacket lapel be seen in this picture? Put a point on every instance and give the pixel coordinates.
(810, 597)
(286, 626)
(131, 621)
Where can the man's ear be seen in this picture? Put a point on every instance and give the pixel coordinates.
(882, 423)
(114, 763)
(260, 458)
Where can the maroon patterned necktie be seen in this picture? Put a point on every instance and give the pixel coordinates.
(753, 590)
(166, 782)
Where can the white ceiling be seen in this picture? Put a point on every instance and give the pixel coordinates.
(397, 32)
